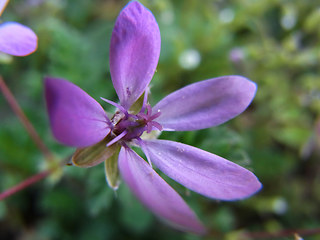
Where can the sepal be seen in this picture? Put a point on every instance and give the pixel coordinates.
(93, 155)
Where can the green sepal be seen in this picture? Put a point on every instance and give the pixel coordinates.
(111, 169)
(93, 155)
(137, 105)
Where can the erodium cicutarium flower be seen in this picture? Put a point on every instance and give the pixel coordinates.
(15, 38)
(78, 120)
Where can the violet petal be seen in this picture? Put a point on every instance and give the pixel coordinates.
(3, 4)
(17, 39)
(155, 193)
(76, 118)
(201, 171)
(134, 52)
(205, 104)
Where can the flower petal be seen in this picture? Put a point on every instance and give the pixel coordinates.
(201, 171)
(17, 39)
(134, 52)
(76, 118)
(205, 104)
(3, 4)
(155, 193)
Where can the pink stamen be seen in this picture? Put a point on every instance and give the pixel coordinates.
(117, 138)
(145, 99)
(156, 125)
(149, 110)
(154, 116)
(122, 109)
(149, 127)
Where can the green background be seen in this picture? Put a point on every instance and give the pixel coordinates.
(274, 43)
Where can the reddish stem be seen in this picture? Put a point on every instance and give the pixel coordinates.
(26, 183)
(33, 179)
(24, 120)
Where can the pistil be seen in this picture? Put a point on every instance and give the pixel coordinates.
(126, 126)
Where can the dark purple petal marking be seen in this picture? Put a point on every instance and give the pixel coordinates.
(155, 193)
(205, 104)
(134, 52)
(17, 39)
(201, 171)
(76, 118)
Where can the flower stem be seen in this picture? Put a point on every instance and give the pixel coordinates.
(26, 183)
(24, 120)
(33, 179)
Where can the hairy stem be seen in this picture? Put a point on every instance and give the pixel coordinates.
(26, 183)
(34, 179)
(24, 120)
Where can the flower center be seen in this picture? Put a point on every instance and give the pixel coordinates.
(128, 126)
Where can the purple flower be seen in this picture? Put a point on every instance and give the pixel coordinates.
(78, 120)
(15, 38)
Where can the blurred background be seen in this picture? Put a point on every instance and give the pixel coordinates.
(272, 42)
